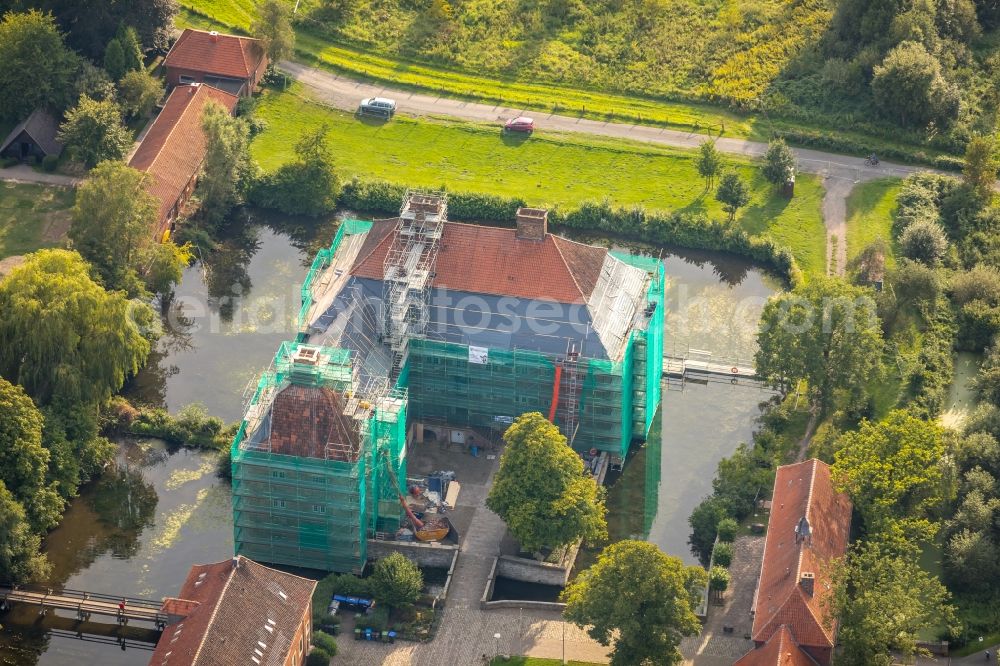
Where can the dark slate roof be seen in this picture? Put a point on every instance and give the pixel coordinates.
(245, 615)
(42, 128)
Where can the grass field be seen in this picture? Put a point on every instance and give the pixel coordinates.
(588, 99)
(547, 169)
(33, 217)
(869, 215)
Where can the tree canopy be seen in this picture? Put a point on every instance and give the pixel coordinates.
(892, 469)
(396, 581)
(273, 27)
(21, 559)
(982, 161)
(909, 88)
(541, 491)
(307, 186)
(642, 598)
(779, 162)
(35, 66)
(23, 460)
(62, 336)
(139, 91)
(93, 131)
(884, 600)
(826, 333)
(709, 162)
(732, 193)
(228, 170)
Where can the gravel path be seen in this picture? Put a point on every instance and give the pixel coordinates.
(22, 173)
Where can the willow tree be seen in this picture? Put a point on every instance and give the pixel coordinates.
(62, 336)
(541, 491)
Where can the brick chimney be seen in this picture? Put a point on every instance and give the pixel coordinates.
(808, 581)
(532, 224)
(214, 36)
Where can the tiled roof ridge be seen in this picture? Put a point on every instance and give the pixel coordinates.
(569, 270)
(809, 495)
(283, 573)
(166, 139)
(211, 618)
(243, 54)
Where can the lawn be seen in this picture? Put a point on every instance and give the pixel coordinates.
(620, 97)
(33, 217)
(869, 215)
(547, 169)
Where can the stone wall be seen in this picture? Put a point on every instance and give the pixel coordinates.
(532, 571)
(433, 555)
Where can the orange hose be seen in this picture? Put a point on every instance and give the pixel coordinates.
(555, 394)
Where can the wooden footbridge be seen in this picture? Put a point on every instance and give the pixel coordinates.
(85, 604)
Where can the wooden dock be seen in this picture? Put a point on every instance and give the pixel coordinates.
(679, 367)
(85, 604)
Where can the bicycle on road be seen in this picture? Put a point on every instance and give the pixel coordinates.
(872, 160)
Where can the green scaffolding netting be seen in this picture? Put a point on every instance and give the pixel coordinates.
(322, 261)
(314, 512)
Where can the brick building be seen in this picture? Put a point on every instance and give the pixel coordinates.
(808, 528)
(238, 612)
(227, 62)
(174, 148)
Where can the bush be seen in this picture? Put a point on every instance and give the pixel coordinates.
(345, 584)
(924, 241)
(325, 642)
(318, 657)
(50, 162)
(723, 554)
(191, 427)
(727, 529)
(704, 522)
(8, 162)
(719, 579)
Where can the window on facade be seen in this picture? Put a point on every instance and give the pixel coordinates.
(275, 474)
(186, 79)
(279, 504)
(319, 508)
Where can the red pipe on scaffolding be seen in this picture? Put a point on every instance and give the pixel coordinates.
(555, 394)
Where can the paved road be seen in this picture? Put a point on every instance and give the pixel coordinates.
(839, 172)
(22, 173)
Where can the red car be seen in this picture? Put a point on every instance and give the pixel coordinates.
(520, 124)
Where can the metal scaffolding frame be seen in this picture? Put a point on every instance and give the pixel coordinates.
(408, 271)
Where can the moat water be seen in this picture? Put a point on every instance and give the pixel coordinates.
(137, 530)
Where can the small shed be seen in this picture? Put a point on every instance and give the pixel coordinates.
(35, 137)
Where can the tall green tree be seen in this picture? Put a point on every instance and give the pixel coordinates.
(21, 559)
(982, 161)
(62, 336)
(396, 581)
(307, 186)
(93, 132)
(910, 89)
(131, 48)
(884, 600)
(140, 91)
(639, 597)
(228, 169)
(732, 194)
(709, 162)
(36, 68)
(113, 221)
(273, 27)
(894, 472)
(541, 491)
(826, 333)
(114, 60)
(23, 460)
(779, 162)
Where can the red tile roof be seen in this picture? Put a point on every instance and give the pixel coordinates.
(222, 55)
(808, 528)
(490, 260)
(174, 147)
(305, 419)
(780, 650)
(234, 606)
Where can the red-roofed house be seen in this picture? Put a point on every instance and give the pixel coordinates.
(174, 148)
(238, 612)
(809, 527)
(228, 62)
